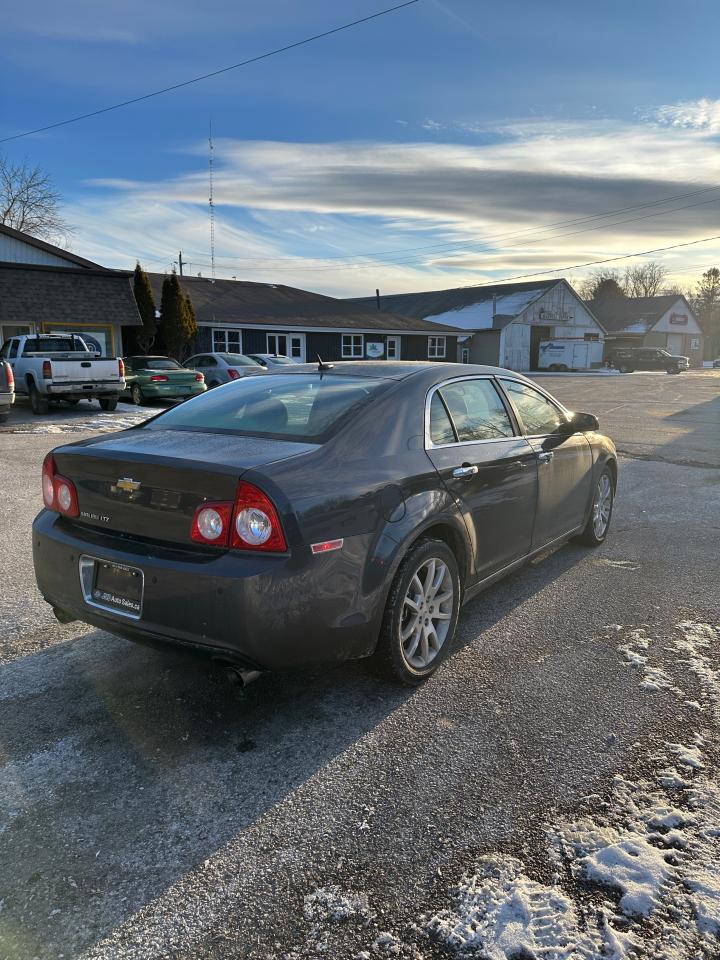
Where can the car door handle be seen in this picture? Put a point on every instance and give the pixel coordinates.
(545, 457)
(466, 471)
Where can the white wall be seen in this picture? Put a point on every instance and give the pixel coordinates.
(677, 312)
(13, 250)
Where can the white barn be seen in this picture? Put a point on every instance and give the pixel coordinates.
(505, 322)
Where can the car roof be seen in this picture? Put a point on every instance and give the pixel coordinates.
(401, 369)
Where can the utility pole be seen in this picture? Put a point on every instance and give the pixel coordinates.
(212, 204)
(180, 263)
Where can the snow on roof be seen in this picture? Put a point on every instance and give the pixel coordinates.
(479, 316)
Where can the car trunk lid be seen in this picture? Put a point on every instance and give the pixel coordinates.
(149, 483)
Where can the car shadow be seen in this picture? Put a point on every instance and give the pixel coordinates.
(125, 767)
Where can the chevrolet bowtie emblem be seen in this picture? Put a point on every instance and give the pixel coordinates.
(127, 484)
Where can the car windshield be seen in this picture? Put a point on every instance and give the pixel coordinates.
(302, 407)
(238, 360)
(155, 363)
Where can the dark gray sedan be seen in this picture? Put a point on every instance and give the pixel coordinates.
(319, 513)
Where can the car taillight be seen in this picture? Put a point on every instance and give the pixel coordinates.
(10, 377)
(256, 524)
(157, 378)
(199, 377)
(59, 493)
(233, 374)
(47, 370)
(121, 367)
(211, 523)
(250, 523)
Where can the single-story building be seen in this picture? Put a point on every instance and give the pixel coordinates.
(666, 321)
(97, 304)
(46, 289)
(504, 323)
(239, 316)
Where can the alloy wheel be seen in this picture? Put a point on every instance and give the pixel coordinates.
(426, 613)
(602, 505)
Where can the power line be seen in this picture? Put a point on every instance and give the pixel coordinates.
(409, 260)
(214, 73)
(565, 269)
(488, 239)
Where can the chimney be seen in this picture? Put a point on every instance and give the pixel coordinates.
(377, 298)
(494, 305)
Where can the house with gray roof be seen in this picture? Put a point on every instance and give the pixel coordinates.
(667, 321)
(503, 324)
(46, 289)
(238, 316)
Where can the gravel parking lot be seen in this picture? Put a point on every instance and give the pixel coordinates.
(552, 792)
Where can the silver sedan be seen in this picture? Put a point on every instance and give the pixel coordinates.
(223, 367)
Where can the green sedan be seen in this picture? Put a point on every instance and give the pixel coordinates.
(160, 378)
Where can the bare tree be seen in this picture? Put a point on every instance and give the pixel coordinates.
(645, 279)
(602, 283)
(30, 202)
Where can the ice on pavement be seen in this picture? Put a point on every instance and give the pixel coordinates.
(93, 422)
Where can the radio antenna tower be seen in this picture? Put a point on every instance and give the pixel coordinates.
(212, 205)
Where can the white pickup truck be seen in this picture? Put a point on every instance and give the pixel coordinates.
(62, 367)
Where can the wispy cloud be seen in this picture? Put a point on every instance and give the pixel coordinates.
(290, 210)
(701, 114)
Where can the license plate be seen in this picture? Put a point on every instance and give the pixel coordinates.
(112, 586)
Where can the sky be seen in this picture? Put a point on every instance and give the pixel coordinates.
(448, 143)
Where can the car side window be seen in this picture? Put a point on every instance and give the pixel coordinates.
(441, 429)
(5, 352)
(476, 410)
(538, 415)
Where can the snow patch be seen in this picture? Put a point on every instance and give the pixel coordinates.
(332, 903)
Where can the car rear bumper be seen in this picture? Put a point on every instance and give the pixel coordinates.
(267, 612)
(86, 389)
(6, 400)
(171, 391)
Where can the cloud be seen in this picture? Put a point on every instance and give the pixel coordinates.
(701, 114)
(288, 211)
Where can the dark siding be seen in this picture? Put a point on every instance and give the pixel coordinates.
(415, 347)
(203, 340)
(485, 348)
(254, 341)
(326, 345)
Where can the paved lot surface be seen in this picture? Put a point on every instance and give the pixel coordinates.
(552, 792)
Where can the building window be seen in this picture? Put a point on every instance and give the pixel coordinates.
(392, 347)
(695, 344)
(465, 355)
(353, 346)
(226, 341)
(436, 347)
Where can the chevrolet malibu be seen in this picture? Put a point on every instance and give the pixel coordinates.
(319, 513)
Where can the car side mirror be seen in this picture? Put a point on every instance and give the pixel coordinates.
(581, 423)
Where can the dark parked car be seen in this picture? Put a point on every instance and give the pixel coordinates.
(223, 367)
(318, 513)
(628, 359)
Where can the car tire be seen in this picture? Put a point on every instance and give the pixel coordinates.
(108, 403)
(411, 659)
(39, 404)
(136, 395)
(624, 368)
(673, 369)
(598, 523)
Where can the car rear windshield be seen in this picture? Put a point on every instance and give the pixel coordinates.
(155, 363)
(238, 360)
(54, 345)
(301, 407)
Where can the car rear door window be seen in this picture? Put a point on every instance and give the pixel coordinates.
(441, 428)
(476, 410)
(538, 415)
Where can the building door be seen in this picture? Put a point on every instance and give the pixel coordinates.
(675, 344)
(287, 345)
(536, 335)
(392, 348)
